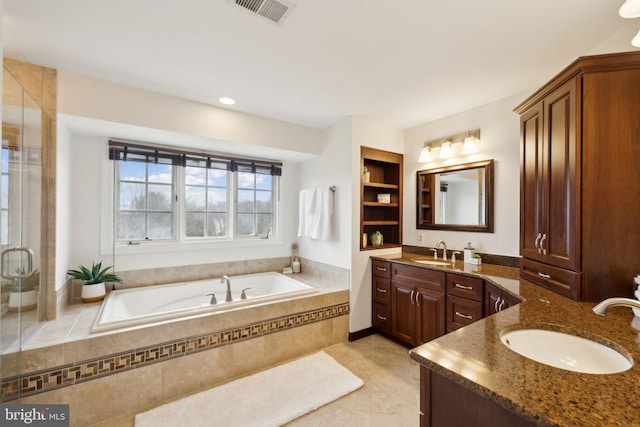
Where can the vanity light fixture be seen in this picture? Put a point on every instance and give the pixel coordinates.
(445, 150)
(425, 153)
(448, 147)
(636, 40)
(630, 9)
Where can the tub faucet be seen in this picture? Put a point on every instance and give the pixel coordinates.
(444, 249)
(223, 280)
(605, 305)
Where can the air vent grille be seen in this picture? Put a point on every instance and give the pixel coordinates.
(273, 10)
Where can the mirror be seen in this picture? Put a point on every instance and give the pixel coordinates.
(457, 198)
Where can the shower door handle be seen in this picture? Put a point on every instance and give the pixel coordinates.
(17, 275)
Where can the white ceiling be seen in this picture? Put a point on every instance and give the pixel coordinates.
(401, 62)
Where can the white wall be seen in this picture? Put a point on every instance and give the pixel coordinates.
(500, 140)
(370, 134)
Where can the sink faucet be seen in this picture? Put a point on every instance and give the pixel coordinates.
(223, 280)
(605, 305)
(442, 244)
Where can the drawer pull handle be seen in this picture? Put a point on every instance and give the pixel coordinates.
(468, 288)
(545, 276)
(381, 317)
(384, 291)
(381, 269)
(464, 316)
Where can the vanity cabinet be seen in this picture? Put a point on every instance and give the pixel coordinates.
(377, 212)
(417, 304)
(464, 301)
(579, 179)
(496, 300)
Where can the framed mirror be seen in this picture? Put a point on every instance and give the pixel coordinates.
(457, 198)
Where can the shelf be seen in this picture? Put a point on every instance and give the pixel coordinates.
(380, 222)
(385, 246)
(381, 185)
(378, 204)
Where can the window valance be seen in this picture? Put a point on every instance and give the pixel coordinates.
(138, 152)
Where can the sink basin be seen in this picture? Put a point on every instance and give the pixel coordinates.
(433, 262)
(567, 351)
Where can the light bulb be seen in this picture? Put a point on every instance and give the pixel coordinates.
(445, 150)
(469, 145)
(425, 154)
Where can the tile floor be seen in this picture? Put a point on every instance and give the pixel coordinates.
(389, 397)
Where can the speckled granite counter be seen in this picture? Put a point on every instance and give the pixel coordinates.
(475, 357)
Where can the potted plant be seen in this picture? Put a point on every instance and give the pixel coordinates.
(23, 292)
(94, 279)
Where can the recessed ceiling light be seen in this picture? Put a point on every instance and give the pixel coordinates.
(226, 100)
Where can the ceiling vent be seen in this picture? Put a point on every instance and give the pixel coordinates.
(275, 11)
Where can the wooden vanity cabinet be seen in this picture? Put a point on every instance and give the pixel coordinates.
(464, 300)
(579, 179)
(381, 291)
(417, 304)
(496, 300)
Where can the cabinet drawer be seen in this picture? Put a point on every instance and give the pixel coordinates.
(559, 280)
(424, 277)
(462, 312)
(381, 268)
(382, 317)
(465, 286)
(381, 290)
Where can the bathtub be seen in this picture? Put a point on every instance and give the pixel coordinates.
(137, 306)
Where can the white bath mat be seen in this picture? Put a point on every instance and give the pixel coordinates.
(268, 398)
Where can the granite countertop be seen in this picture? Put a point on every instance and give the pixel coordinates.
(475, 357)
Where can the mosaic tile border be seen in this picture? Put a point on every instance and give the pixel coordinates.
(37, 382)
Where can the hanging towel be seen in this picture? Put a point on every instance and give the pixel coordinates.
(315, 213)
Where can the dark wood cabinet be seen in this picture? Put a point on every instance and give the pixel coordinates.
(384, 173)
(381, 291)
(464, 300)
(579, 179)
(496, 300)
(417, 304)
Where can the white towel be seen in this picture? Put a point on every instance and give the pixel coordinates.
(315, 213)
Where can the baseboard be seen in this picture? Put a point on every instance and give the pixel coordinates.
(353, 336)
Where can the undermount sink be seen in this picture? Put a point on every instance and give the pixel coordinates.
(567, 351)
(433, 262)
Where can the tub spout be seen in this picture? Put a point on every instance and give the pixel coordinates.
(603, 306)
(225, 279)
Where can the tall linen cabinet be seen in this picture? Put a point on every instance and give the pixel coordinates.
(580, 179)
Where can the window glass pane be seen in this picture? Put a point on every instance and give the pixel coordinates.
(159, 225)
(4, 228)
(5, 191)
(264, 222)
(195, 176)
(217, 178)
(132, 171)
(5, 160)
(264, 182)
(263, 201)
(159, 198)
(245, 200)
(244, 226)
(216, 225)
(245, 180)
(160, 173)
(217, 200)
(195, 224)
(132, 196)
(194, 197)
(131, 226)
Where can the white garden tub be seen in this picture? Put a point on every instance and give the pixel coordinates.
(130, 307)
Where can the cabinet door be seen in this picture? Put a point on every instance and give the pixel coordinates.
(558, 243)
(430, 306)
(492, 297)
(403, 312)
(531, 191)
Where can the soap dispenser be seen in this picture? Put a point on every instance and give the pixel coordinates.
(469, 252)
(296, 265)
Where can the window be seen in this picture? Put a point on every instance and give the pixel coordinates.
(4, 207)
(167, 194)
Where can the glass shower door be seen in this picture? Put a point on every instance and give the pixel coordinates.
(23, 133)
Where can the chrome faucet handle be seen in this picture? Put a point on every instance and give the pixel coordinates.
(213, 298)
(435, 253)
(243, 295)
(453, 256)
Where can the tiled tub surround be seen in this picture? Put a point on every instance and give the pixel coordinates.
(103, 375)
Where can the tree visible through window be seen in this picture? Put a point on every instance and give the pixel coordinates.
(145, 200)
